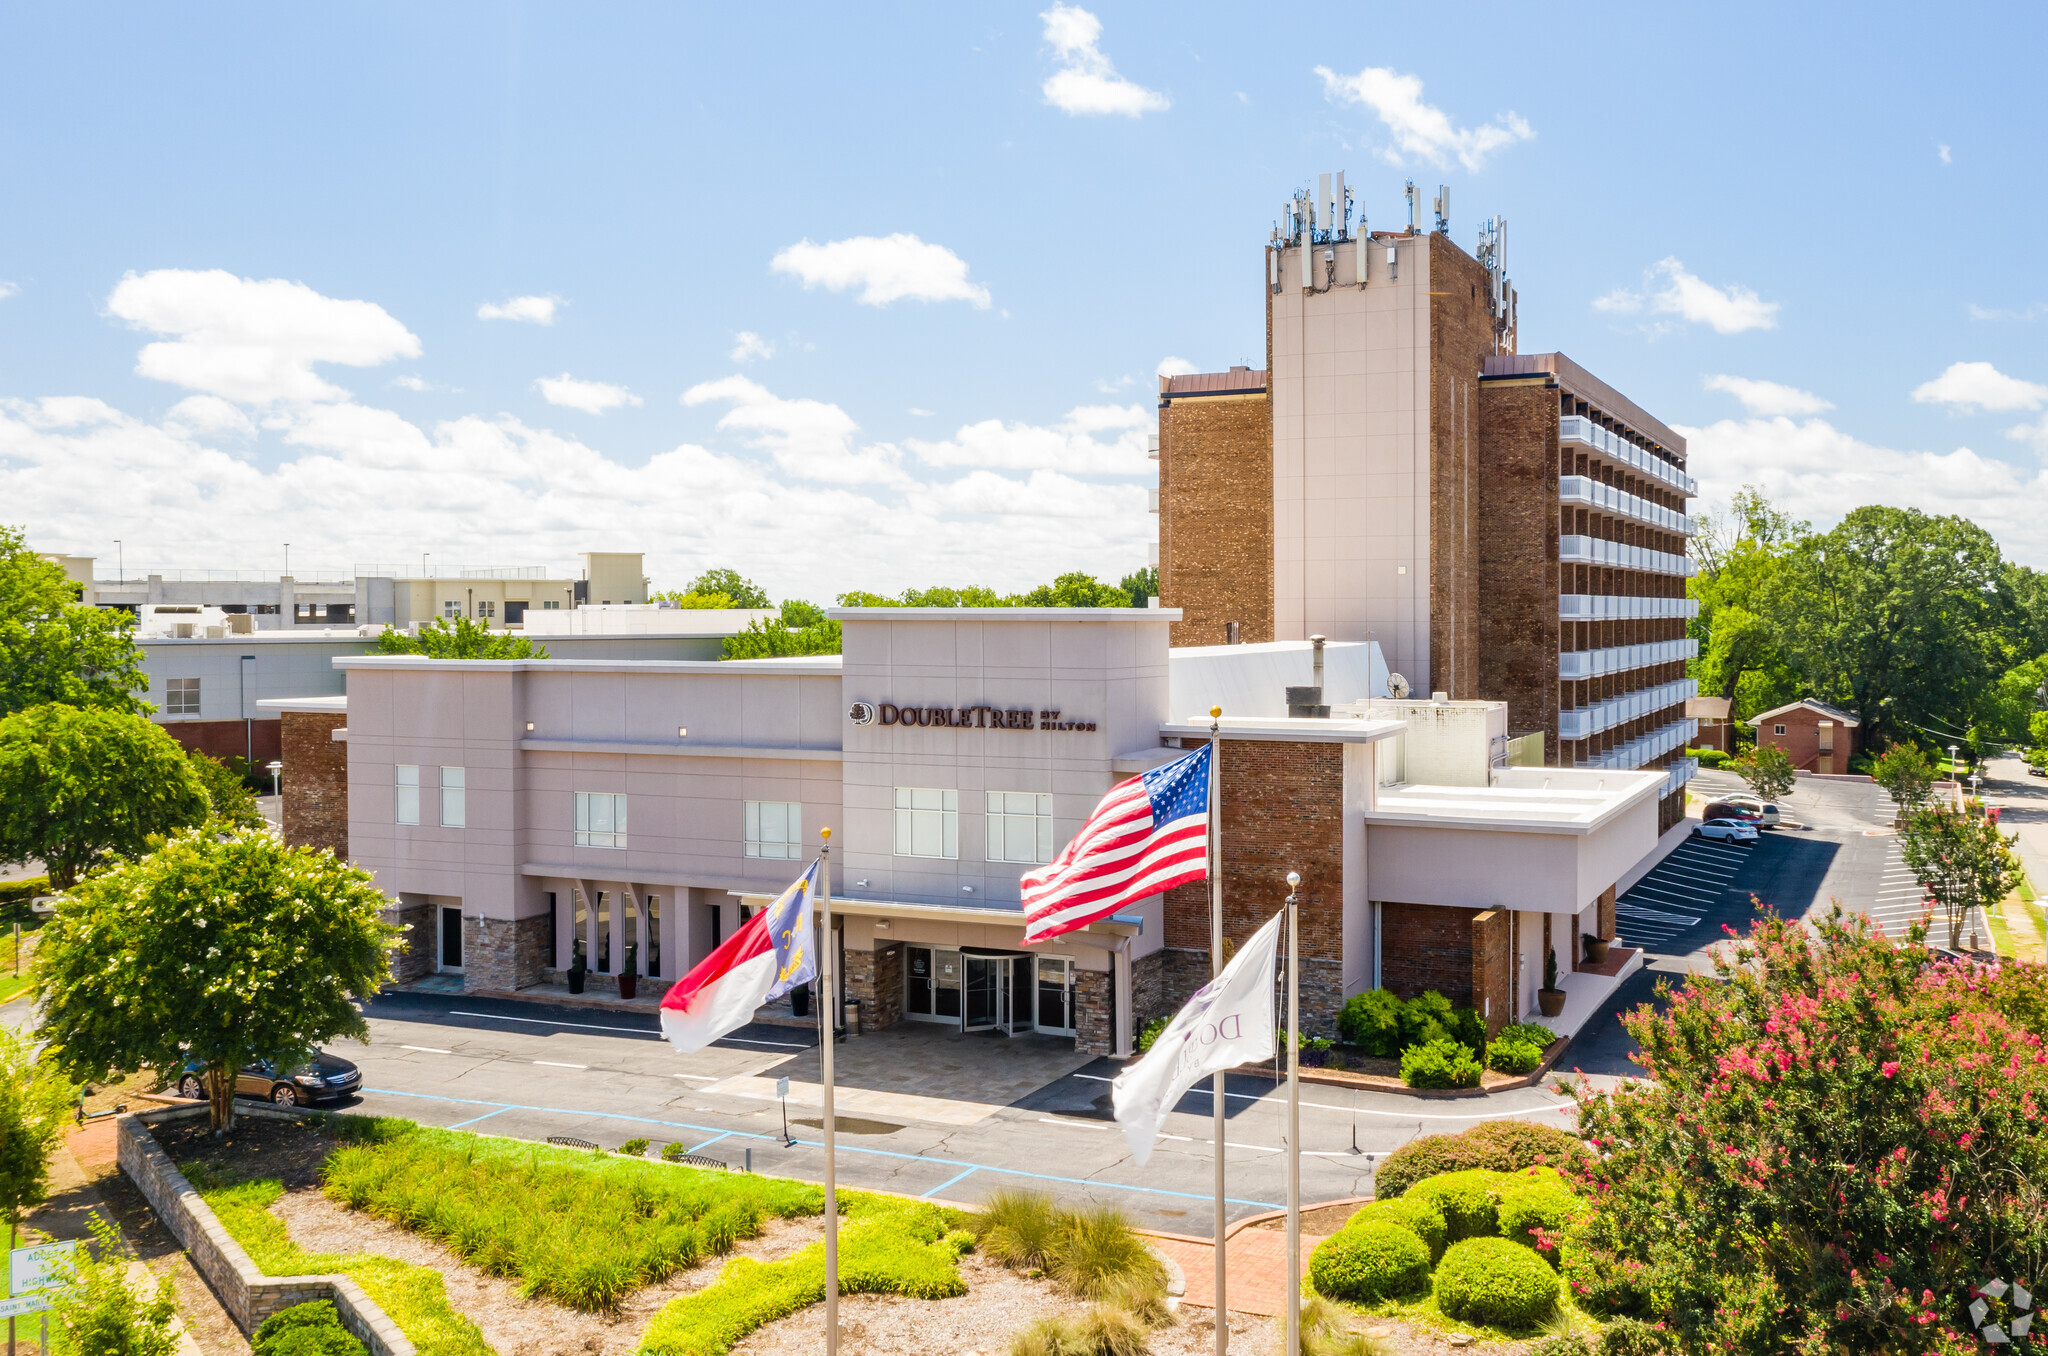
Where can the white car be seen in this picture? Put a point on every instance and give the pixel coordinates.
(1728, 830)
(1756, 805)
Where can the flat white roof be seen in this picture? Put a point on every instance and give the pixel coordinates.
(1522, 799)
(332, 706)
(1003, 614)
(809, 665)
(1290, 729)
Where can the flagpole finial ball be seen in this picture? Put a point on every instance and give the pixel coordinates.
(1215, 712)
(825, 833)
(1293, 879)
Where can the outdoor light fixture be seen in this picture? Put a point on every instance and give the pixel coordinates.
(860, 885)
(881, 925)
(682, 732)
(529, 727)
(273, 767)
(967, 889)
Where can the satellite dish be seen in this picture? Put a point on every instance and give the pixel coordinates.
(1397, 686)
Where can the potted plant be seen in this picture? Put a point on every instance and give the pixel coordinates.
(1550, 998)
(629, 974)
(1596, 948)
(800, 1001)
(578, 967)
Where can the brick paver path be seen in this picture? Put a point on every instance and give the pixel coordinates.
(1256, 1263)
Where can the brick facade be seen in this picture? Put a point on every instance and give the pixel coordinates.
(1802, 742)
(504, 954)
(315, 781)
(874, 979)
(1467, 955)
(1216, 513)
(255, 740)
(1518, 609)
(1460, 338)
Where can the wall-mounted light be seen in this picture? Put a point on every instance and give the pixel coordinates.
(682, 732)
(967, 889)
(860, 885)
(881, 925)
(529, 727)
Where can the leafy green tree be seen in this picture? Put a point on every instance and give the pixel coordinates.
(78, 784)
(695, 601)
(2013, 702)
(96, 1311)
(1075, 589)
(233, 804)
(55, 649)
(225, 950)
(799, 614)
(35, 1103)
(1140, 585)
(1962, 860)
(1906, 774)
(743, 592)
(1768, 771)
(1741, 589)
(459, 638)
(766, 638)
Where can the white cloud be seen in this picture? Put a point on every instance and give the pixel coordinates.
(252, 342)
(1418, 128)
(747, 344)
(205, 416)
(1971, 385)
(531, 310)
(1086, 83)
(922, 414)
(2029, 313)
(886, 268)
(8, 289)
(1729, 310)
(1108, 387)
(591, 397)
(1946, 158)
(1769, 397)
(811, 438)
(1175, 367)
(2034, 435)
(411, 383)
(1044, 494)
(1817, 472)
(1074, 444)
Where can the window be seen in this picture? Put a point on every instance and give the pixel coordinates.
(554, 929)
(774, 828)
(604, 932)
(654, 936)
(927, 822)
(1019, 827)
(408, 793)
(486, 609)
(550, 604)
(454, 786)
(451, 609)
(1777, 729)
(600, 820)
(181, 696)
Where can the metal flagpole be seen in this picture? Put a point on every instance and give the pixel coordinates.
(1293, 1116)
(1215, 969)
(828, 995)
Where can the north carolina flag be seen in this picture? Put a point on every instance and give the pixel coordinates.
(765, 959)
(1148, 835)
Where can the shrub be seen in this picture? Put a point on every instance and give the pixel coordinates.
(1559, 1344)
(305, 1330)
(1442, 1063)
(1412, 1213)
(1016, 1228)
(1096, 1248)
(1507, 1055)
(634, 1148)
(1425, 1018)
(1104, 1330)
(1150, 1033)
(1631, 1337)
(94, 1311)
(1503, 1146)
(1324, 1331)
(1601, 1281)
(1550, 1209)
(1468, 1028)
(1493, 1281)
(674, 1153)
(1371, 1021)
(1375, 1260)
(1469, 1200)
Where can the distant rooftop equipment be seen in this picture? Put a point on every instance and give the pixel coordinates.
(1442, 207)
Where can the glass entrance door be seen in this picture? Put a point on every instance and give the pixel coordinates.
(1055, 995)
(988, 993)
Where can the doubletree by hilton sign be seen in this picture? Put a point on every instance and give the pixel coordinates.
(960, 717)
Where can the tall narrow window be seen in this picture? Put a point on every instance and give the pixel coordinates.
(654, 936)
(927, 822)
(554, 930)
(579, 937)
(454, 786)
(604, 932)
(1019, 826)
(600, 819)
(773, 828)
(408, 793)
(630, 925)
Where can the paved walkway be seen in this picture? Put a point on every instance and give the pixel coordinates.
(1255, 1261)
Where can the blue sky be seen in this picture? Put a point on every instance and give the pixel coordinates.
(963, 240)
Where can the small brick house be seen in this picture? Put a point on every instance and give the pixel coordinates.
(1716, 731)
(1815, 736)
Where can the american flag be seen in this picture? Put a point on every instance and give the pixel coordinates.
(1149, 834)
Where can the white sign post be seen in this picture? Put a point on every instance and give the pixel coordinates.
(31, 1275)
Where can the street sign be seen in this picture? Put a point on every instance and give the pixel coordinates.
(32, 1269)
(23, 1304)
(782, 1087)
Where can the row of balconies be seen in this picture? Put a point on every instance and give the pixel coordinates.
(1622, 658)
(1618, 607)
(1640, 750)
(1576, 428)
(1583, 722)
(1573, 549)
(1585, 490)
(1681, 773)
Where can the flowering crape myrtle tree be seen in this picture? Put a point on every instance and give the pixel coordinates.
(224, 950)
(1964, 862)
(1840, 1140)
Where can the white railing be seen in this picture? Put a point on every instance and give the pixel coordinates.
(1588, 491)
(1152, 499)
(1618, 607)
(1681, 773)
(1640, 750)
(1622, 658)
(1576, 428)
(1573, 549)
(1583, 722)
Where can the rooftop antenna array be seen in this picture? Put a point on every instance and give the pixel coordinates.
(1441, 205)
(1414, 208)
(1500, 291)
(1313, 216)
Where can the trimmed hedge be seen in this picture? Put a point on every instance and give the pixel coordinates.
(1376, 1260)
(312, 1329)
(1469, 1200)
(1493, 1281)
(1412, 1213)
(1442, 1063)
(1503, 1146)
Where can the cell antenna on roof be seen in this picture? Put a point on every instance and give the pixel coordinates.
(1442, 208)
(1414, 207)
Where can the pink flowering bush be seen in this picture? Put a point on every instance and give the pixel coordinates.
(1840, 1140)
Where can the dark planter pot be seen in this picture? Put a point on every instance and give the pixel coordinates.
(1550, 1001)
(1596, 950)
(628, 985)
(800, 1001)
(576, 981)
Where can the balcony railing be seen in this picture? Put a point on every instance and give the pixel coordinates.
(1622, 658)
(1573, 549)
(1576, 428)
(1640, 750)
(1617, 607)
(1583, 722)
(1585, 490)
(1681, 773)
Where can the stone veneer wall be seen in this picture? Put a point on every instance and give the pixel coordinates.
(503, 954)
(415, 957)
(874, 979)
(315, 781)
(245, 1292)
(1216, 515)
(1095, 1018)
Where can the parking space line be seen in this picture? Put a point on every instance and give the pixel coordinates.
(1279, 1099)
(426, 1049)
(554, 1064)
(474, 1119)
(948, 1182)
(699, 1148)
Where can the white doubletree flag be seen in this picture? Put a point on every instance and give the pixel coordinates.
(1228, 1022)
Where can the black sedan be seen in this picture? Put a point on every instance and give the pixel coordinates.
(325, 1078)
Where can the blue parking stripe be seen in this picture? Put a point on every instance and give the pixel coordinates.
(474, 1119)
(948, 1182)
(709, 1142)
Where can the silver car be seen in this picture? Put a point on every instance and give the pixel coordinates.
(1767, 809)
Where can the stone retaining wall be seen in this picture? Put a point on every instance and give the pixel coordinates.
(246, 1293)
